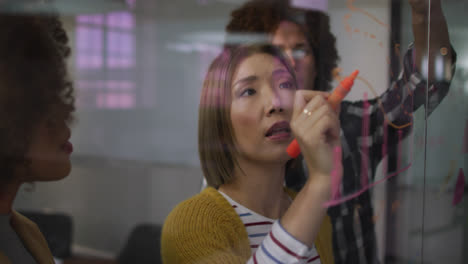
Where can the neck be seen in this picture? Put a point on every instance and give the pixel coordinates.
(7, 196)
(259, 187)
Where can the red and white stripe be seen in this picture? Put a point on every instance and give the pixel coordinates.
(270, 242)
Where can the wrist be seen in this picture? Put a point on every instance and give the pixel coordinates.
(320, 185)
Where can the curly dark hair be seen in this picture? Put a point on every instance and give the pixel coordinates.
(34, 83)
(264, 16)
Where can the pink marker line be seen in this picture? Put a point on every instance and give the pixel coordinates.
(354, 195)
(335, 201)
(336, 174)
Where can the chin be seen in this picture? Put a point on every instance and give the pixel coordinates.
(279, 157)
(56, 173)
(63, 172)
(285, 157)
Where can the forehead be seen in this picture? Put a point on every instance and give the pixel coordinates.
(288, 34)
(260, 65)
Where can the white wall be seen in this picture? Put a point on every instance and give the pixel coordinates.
(358, 50)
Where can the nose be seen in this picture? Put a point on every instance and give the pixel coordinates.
(291, 59)
(273, 103)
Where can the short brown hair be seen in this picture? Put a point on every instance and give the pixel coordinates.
(264, 17)
(216, 140)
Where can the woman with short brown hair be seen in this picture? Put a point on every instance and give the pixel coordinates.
(249, 110)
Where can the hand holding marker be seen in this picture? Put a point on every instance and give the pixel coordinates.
(334, 99)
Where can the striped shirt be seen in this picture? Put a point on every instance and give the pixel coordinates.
(269, 241)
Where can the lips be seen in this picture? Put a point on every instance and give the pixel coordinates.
(67, 147)
(279, 130)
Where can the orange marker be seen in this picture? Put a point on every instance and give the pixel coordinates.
(334, 99)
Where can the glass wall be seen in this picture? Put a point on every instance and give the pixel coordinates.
(138, 68)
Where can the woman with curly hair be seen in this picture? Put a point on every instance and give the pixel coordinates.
(304, 35)
(36, 105)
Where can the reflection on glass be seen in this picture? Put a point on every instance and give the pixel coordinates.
(115, 29)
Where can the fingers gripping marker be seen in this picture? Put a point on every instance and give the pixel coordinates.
(335, 99)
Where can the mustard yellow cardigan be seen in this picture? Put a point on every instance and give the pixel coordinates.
(32, 239)
(206, 229)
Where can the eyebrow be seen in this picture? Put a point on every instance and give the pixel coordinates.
(253, 78)
(280, 71)
(297, 46)
(280, 46)
(300, 45)
(247, 79)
